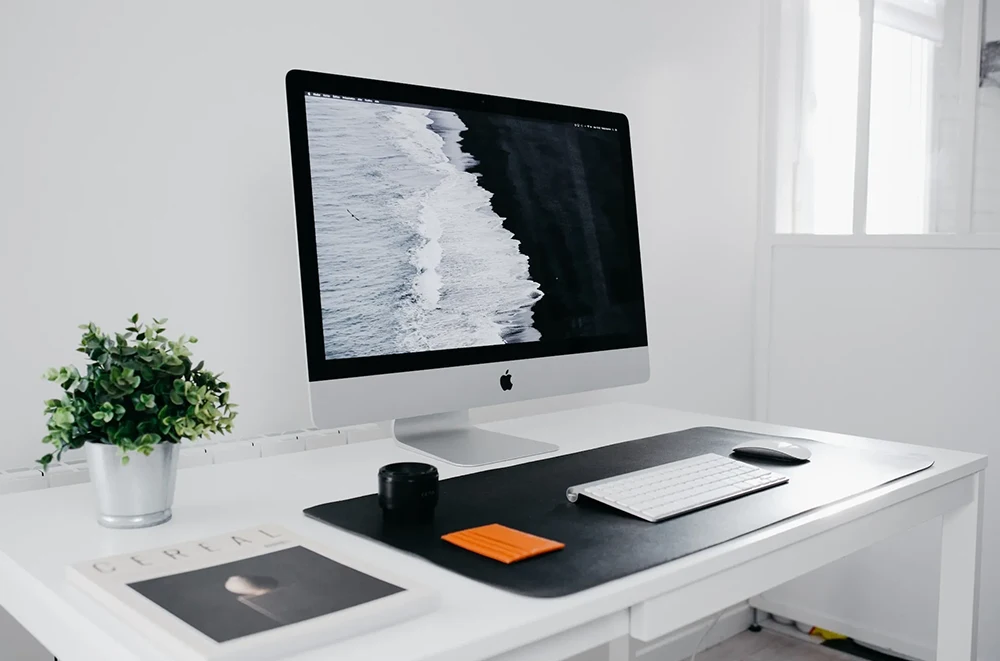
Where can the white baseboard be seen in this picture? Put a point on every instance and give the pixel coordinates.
(679, 646)
(858, 631)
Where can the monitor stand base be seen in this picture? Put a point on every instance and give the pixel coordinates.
(450, 437)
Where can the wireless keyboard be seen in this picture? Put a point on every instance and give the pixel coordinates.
(666, 491)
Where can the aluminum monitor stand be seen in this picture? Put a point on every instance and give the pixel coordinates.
(452, 438)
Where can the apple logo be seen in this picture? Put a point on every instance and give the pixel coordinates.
(506, 381)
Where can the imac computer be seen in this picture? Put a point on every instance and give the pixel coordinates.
(460, 250)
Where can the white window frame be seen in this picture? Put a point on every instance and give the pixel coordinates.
(782, 28)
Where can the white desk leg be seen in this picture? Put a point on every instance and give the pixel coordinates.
(958, 606)
(618, 649)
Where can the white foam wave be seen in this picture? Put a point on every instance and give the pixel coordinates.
(449, 126)
(472, 283)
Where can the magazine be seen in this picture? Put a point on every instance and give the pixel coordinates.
(252, 594)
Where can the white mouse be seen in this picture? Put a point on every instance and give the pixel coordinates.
(773, 448)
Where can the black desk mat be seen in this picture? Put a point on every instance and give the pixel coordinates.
(603, 544)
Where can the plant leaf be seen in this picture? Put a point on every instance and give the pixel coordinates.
(139, 388)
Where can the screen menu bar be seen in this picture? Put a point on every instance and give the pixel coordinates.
(413, 105)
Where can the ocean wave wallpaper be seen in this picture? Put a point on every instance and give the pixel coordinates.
(439, 230)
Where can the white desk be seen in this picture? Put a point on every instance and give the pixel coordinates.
(43, 531)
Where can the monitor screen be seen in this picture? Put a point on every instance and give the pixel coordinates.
(439, 228)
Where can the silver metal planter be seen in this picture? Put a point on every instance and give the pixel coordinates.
(138, 494)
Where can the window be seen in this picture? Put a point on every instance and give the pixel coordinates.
(986, 178)
(899, 140)
(874, 115)
(824, 174)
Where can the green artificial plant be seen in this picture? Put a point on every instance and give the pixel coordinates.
(139, 389)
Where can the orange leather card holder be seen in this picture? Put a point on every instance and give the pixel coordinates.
(501, 543)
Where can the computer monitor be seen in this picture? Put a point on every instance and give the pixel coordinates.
(460, 250)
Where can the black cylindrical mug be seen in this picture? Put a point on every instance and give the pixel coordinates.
(408, 491)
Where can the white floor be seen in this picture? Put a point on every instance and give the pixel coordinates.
(765, 645)
(770, 646)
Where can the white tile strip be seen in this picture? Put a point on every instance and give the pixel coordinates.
(318, 439)
(22, 479)
(368, 432)
(223, 453)
(196, 455)
(285, 444)
(73, 467)
(64, 474)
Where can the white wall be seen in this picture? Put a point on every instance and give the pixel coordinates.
(986, 187)
(144, 167)
(991, 25)
(899, 344)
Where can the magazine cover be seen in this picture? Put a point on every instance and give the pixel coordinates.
(252, 594)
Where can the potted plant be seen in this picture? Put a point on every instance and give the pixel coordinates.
(139, 397)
